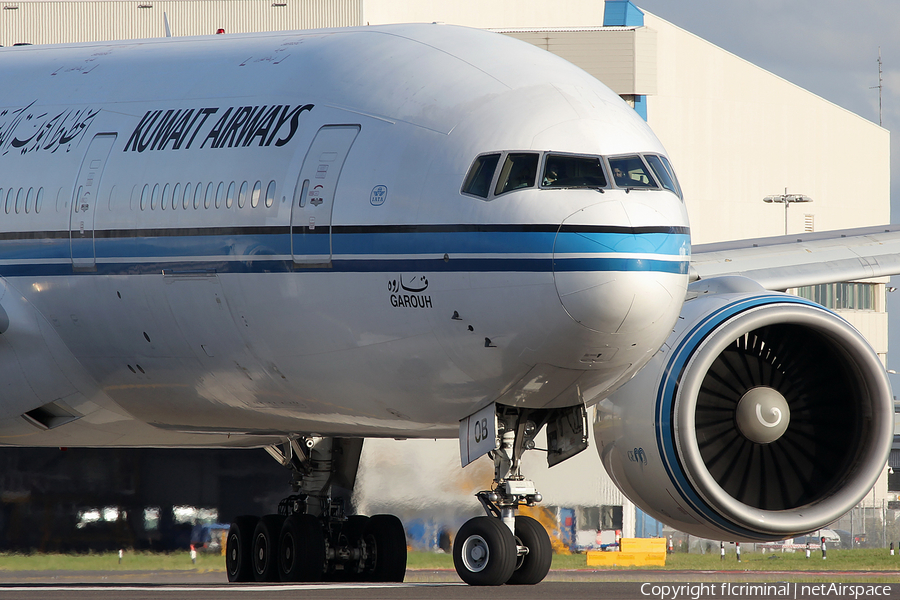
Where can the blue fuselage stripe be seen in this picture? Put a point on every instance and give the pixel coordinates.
(498, 250)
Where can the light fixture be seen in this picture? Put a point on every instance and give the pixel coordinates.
(787, 200)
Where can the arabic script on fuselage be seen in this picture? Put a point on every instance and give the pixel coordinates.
(27, 130)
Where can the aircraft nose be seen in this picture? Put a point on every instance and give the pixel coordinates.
(619, 280)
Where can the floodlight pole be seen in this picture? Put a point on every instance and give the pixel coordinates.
(787, 200)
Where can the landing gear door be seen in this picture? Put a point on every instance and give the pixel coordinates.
(567, 433)
(314, 193)
(478, 434)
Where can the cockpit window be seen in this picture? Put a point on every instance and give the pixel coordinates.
(564, 171)
(663, 172)
(478, 181)
(630, 172)
(519, 171)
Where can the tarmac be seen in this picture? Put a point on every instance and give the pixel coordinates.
(445, 585)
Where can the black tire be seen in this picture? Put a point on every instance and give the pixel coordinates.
(534, 566)
(301, 549)
(385, 542)
(265, 548)
(239, 549)
(484, 552)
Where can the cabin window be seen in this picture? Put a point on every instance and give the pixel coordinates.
(39, 201)
(165, 197)
(254, 197)
(220, 193)
(28, 200)
(270, 194)
(176, 196)
(481, 173)
(518, 172)
(663, 174)
(630, 172)
(1, 197)
(20, 199)
(210, 191)
(242, 195)
(9, 200)
(154, 197)
(186, 204)
(564, 171)
(198, 195)
(145, 196)
(229, 197)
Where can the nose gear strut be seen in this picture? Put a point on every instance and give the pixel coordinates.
(504, 547)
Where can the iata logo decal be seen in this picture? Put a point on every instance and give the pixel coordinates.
(409, 292)
(378, 195)
(236, 127)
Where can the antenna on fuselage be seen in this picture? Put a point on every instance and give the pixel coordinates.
(166, 23)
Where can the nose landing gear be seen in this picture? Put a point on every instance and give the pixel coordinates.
(503, 547)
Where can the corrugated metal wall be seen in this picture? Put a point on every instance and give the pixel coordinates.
(87, 20)
(623, 59)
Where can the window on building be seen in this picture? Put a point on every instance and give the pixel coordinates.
(841, 296)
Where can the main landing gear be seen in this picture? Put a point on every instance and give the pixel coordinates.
(311, 538)
(503, 547)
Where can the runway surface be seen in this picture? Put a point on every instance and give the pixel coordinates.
(444, 585)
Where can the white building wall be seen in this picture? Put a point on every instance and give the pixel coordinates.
(488, 14)
(737, 133)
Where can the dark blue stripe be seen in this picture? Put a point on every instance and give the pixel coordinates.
(665, 400)
(259, 264)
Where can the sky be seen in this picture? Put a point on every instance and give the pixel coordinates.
(829, 47)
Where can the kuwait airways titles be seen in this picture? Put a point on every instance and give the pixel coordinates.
(237, 126)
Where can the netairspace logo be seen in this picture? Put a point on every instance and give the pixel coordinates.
(696, 591)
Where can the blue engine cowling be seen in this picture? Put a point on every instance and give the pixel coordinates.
(762, 417)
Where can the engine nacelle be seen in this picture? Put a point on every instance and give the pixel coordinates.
(762, 417)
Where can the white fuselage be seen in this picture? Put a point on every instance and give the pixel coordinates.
(386, 302)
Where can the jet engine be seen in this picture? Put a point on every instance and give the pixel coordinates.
(763, 416)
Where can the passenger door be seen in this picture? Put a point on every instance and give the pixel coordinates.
(312, 208)
(84, 201)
